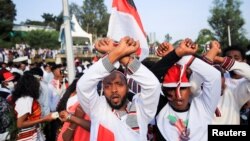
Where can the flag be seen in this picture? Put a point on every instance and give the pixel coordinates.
(61, 37)
(125, 21)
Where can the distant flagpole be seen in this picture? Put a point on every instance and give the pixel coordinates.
(68, 42)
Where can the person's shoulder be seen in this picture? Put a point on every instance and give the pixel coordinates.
(26, 98)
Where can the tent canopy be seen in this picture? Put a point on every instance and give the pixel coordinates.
(77, 31)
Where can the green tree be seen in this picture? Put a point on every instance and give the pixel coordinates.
(226, 13)
(18, 37)
(5, 44)
(59, 21)
(77, 11)
(49, 20)
(43, 39)
(7, 16)
(73, 9)
(95, 17)
(31, 22)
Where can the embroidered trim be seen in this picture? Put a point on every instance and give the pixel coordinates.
(228, 63)
(106, 63)
(131, 113)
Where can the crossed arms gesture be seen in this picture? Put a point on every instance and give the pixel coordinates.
(120, 51)
(186, 47)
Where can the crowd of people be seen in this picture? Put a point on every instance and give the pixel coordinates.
(119, 98)
(8, 55)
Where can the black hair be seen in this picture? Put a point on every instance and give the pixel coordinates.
(63, 102)
(55, 66)
(27, 85)
(37, 71)
(113, 75)
(236, 48)
(17, 76)
(10, 63)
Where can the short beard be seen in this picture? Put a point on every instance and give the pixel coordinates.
(117, 107)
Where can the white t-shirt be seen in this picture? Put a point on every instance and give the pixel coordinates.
(23, 106)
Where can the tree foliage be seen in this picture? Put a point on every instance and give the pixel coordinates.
(42, 39)
(77, 11)
(49, 20)
(95, 17)
(18, 37)
(204, 37)
(31, 22)
(7, 16)
(227, 13)
(59, 21)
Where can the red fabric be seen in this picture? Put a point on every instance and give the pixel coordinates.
(104, 134)
(124, 6)
(173, 75)
(125, 21)
(35, 115)
(8, 76)
(36, 111)
(80, 134)
(176, 77)
(95, 59)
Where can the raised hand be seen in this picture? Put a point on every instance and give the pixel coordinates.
(127, 46)
(163, 49)
(214, 50)
(104, 45)
(186, 47)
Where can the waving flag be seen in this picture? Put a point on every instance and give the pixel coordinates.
(125, 21)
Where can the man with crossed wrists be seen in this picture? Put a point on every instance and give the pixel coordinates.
(113, 116)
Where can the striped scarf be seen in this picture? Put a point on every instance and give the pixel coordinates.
(130, 114)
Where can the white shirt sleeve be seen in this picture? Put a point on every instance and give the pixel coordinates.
(210, 78)
(23, 106)
(87, 86)
(242, 90)
(148, 98)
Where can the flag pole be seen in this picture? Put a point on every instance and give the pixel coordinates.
(68, 43)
